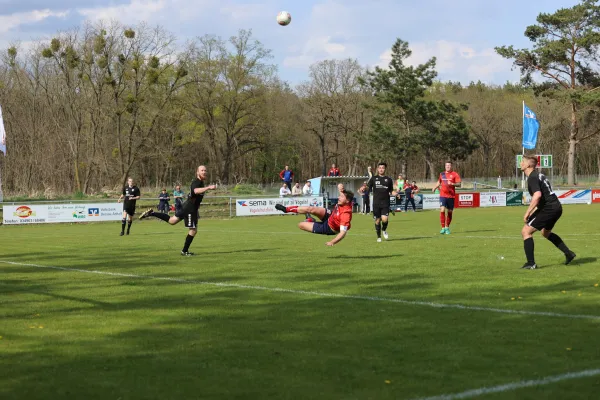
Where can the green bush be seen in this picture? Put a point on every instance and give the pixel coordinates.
(247, 189)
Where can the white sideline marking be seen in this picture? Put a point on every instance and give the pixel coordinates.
(515, 385)
(320, 294)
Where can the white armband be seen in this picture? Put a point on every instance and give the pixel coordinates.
(343, 228)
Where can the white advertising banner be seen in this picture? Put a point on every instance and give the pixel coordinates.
(431, 201)
(56, 213)
(574, 196)
(250, 207)
(492, 199)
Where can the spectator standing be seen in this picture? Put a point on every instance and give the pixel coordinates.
(284, 191)
(400, 182)
(409, 192)
(287, 175)
(178, 195)
(163, 204)
(364, 192)
(297, 190)
(334, 171)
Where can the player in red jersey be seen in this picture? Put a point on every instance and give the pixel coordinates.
(447, 183)
(333, 222)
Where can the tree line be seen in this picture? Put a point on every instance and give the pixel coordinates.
(94, 105)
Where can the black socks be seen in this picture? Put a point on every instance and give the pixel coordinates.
(188, 241)
(528, 246)
(162, 216)
(557, 241)
(384, 226)
(378, 229)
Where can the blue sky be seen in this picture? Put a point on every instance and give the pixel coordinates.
(461, 33)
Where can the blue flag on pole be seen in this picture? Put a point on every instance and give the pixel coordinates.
(530, 128)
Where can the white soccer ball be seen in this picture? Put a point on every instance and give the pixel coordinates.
(284, 18)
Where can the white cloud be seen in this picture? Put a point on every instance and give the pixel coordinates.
(136, 11)
(9, 22)
(330, 36)
(455, 61)
(315, 49)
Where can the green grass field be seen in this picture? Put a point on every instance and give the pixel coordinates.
(267, 311)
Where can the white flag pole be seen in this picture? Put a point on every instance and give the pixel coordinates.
(522, 173)
(3, 144)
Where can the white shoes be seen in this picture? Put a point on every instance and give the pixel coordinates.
(378, 240)
(385, 235)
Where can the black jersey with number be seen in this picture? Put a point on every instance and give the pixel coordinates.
(130, 192)
(381, 187)
(537, 182)
(193, 201)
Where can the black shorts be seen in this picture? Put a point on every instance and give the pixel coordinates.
(190, 218)
(130, 210)
(380, 210)
(545, 218)
(447, 202)
(323, 228)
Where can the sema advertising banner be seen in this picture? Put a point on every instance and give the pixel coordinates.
(595, 196)
(244, 208)
(574, 196)
(56, 213)
(466, 200)
(492, 199)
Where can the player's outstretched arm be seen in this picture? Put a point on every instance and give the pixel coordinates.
(337, 239)
(204, 189)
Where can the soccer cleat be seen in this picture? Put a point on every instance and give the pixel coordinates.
(122, 233)
(385, 235)
(570, 256)
(529, 266)
(186, 253)
(378, 240)
(280, 208)
(443, 231)
(146, 213)
(447, 231)
(127, 233)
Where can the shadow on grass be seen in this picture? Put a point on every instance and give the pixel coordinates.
(243, 344)
(403, 239)
(365, 257)
(583, 260)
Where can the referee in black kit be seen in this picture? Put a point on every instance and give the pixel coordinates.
(131, 193)
(543, 213)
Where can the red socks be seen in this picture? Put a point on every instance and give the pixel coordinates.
(292, 209)
(443, 219)
(449, 218)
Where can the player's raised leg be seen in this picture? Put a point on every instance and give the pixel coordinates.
(318, 212)
(173, 220)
